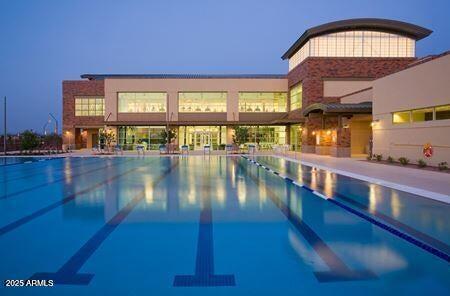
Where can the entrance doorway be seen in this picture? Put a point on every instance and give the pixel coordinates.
(201, 138)
(196, 137)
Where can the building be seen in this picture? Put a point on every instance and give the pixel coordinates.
(411, 110)
(322, 105)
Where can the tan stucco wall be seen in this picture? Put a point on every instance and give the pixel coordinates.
(173, 86)
(424, 85)
(338, 88)
(359, 97)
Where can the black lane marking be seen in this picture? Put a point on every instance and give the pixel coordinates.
(204, 265)
(429, 244)
(5, 196)
(68, 273)
(53, 170)
(19, 222)
(339, 271)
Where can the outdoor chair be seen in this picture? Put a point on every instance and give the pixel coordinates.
(140, 149)
(118, 149)
(184, 149)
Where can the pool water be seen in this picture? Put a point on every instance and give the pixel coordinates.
(214, 225)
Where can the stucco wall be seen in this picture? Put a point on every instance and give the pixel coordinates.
(338, 88)
(358, 97)
(424, 85)
(173, 86)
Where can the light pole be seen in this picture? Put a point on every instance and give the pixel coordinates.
(4, 136)
(56, 122)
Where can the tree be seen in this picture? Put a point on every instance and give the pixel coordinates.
(240, 135)
(163, 136)
(106, 137)
(29, 140)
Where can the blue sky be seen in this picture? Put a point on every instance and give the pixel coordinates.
(44, 42)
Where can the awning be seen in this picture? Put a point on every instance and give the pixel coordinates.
(338, 108)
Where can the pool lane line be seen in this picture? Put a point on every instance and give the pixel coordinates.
(420, 236)
(2, 180)
(31, 161)
(68, 273)
(339, 271)
(6, 196)
(36, 214)
(204, 264)
(428, 247)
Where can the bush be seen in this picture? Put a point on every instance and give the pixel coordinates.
(29, 140)
(421, 163)
(369, 157)
(443, 166)
(390, 159)
(378, 157)
(403, 160)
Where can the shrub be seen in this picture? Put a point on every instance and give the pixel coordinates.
(390, 159)
(443, 166)
(421, 163)
(403, 160)
(369, 157)
(378, 157)
(29, 140)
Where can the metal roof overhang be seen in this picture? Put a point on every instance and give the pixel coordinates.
(338, 108)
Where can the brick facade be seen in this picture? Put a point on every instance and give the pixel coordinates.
(72, 89)
(313, 70)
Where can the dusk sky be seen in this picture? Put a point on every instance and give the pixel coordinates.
(45, 42)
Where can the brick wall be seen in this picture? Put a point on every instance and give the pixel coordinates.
(71, 89)
(313, 69)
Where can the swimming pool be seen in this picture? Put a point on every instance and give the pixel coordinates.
(215, 226)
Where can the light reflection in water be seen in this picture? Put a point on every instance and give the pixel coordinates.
(372, 198)
(395, 204)
(328, 186)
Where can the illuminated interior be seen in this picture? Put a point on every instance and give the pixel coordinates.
(142, 102)
(262, 101)
(202, 102)
(196, 137)
(89, 106)
(296, 96)
(355, 44)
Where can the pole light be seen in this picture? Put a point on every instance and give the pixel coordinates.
(56, 122)
(4, 136)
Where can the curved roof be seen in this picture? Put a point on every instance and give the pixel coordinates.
(339, 108)
(383, 25)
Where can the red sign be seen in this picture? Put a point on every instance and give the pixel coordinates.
(427, 150)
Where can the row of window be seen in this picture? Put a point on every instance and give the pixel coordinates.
(188, 102)
(424, 114)
(355, 44)
(89, 106)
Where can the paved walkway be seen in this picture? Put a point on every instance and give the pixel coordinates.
(430, 184)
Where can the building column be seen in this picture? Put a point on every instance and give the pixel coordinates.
(340, 144)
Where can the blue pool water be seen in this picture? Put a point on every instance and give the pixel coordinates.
(214, 226)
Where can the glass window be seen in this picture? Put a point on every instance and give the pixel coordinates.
(401, 117)
(262, 101)
(442, 112)
(296, 97)
(355, 44)
(202, 102)
(148, 136)
(89, 106)
(422, 115)
(142, 102)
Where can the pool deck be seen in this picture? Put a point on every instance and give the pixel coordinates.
(435, 185)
